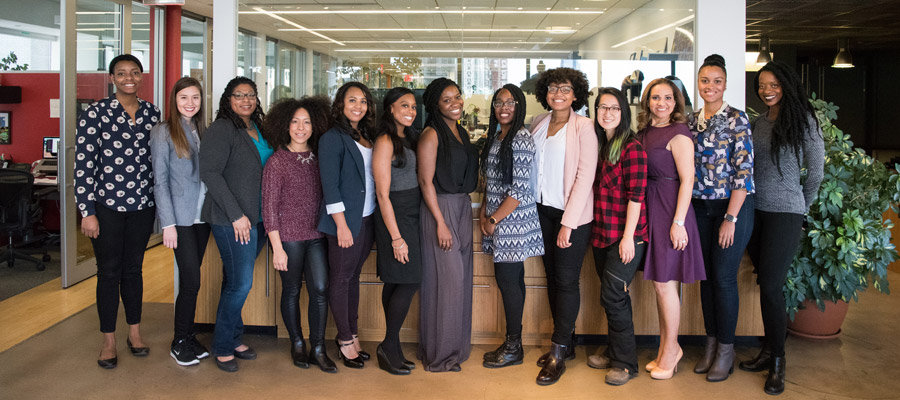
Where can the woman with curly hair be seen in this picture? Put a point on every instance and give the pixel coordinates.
(723, 184)
(397, 221)
(445, 319)
(232, 156)
(565, 164)
(674, 253)
(292, 198)
(786, 138)
(508, 217)
(345, 165)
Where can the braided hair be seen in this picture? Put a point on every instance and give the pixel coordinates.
(387, 126)
(611, 149)
(366, 127)
(226, 112)
(505, 155)
(794, 111)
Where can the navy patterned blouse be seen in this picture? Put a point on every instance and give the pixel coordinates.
(723, 153)
(112, 157)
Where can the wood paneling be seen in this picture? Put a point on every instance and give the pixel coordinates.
(259, 309)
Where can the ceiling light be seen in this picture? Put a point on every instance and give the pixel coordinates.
(436, 10)
(843, 58)
(764, 57)
(298, 26)
(559, 30)
(455, 51)
(662, 28)
(519, 8)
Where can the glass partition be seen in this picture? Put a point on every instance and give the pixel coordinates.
(141, 34)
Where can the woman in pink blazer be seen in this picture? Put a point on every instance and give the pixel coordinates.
(564, 167)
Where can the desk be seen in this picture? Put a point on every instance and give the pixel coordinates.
(46, 190)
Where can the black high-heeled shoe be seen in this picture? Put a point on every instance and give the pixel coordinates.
(318, 356)
(350, 362)
(362, 353)
(137, 351)
(385, 364)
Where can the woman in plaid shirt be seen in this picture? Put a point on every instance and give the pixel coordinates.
(619, 232)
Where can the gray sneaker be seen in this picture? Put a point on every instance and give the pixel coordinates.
(619, 376)
(598, 361)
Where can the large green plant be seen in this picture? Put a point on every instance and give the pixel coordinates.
(847, 244)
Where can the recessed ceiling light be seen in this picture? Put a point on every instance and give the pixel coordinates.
(325, 7)
(549, 8)
(520, 8)
(464, 7)
(437, 7)
(662, 9)
(554, 30)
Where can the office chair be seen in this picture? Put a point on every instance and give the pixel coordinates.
(16, 216)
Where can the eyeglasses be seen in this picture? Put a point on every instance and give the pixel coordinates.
(612, 109)
(241, 96)
(508, 104)
(563, 89)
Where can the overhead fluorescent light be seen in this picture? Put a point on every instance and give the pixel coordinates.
(559, 30)
(436, 11)
(455, 51)
(412, 30)
(298, 26)
(431, 42)
(660, 29)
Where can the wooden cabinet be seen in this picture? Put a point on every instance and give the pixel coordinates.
(259, 309)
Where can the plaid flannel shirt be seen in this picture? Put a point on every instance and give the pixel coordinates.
(614, 186)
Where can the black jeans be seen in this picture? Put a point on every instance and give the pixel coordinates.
(615, 277)
(119, 250)
(344, 268)
(192, 242)
(772, 248)
(719, 292)
(306, 258)
(563, 270)
(511, 281)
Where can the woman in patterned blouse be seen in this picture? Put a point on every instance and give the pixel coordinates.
(509, 221)
(114, 189)
(619, 232)
(723, 158)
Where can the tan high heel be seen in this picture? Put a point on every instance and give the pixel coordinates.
(651, 366)
(659, 373)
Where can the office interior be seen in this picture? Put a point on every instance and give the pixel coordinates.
(294, 49)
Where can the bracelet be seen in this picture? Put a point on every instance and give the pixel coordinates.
(394, 240)
(398, 248)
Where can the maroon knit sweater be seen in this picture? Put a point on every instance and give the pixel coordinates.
(292, 195)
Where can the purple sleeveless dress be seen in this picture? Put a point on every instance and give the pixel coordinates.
(662, 263)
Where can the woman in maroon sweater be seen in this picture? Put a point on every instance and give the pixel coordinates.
(292, 197)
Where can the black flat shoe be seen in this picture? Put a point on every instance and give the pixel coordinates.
(227, 366)
(108, 363)
(248, 354)
(455, 368)
(137, 351)
(385, 364)
(317, 356)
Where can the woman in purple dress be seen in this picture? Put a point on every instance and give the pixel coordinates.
(674, 254)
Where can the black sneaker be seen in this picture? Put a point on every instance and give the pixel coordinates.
(183, 354)
(198, 348)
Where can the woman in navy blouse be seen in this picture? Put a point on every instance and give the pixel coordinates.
(723, 158)
(114, 190)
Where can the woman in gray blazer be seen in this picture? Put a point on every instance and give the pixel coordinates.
(232, 157)
(175, 145)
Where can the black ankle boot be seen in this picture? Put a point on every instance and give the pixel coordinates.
(760, 363)
(509, 353)
(570, 355)
(555, 366)
(298, 353)
(318, 356)
(775, 381)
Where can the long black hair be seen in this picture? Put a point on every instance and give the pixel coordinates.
(611, 149)
(366, 126)
(278, 120)
(226, 112)
(387, 126)
(794, 111)
(431, 98)
(505, 155)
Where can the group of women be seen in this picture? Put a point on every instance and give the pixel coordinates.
(681, 198)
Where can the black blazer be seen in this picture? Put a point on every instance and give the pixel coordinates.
(232, 171)
(343, 173)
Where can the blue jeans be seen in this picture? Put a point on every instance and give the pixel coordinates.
(237, 278)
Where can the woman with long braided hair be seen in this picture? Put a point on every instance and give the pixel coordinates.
(445, 325)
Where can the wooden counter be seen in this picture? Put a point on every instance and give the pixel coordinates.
(263, 304)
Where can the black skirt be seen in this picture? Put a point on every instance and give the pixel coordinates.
(406, 212)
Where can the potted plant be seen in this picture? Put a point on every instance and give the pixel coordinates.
(847, 245)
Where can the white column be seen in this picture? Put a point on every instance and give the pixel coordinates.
(224, 54)
(720, 28)
(259, 74)
(308, 70)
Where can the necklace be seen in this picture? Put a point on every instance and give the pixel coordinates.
(660, 124)
(306, 160)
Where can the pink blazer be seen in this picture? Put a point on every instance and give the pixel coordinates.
(582, 151)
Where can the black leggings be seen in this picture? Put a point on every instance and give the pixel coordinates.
(306, 258)
(772, 248)
(119, 250)
(395, 298)
(189, 255)
(511, 281)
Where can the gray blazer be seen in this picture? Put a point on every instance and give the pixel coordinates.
(232, 171)
(177, 185)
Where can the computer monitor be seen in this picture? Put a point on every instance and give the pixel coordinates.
(51, 147)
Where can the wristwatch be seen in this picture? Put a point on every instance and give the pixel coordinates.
(730, 218)
(679, 222)
(492, 220)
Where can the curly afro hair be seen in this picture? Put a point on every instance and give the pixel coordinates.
(562, 75)
(278, 120)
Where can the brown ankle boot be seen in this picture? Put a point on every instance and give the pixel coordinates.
(709, 355)
(723, 365)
